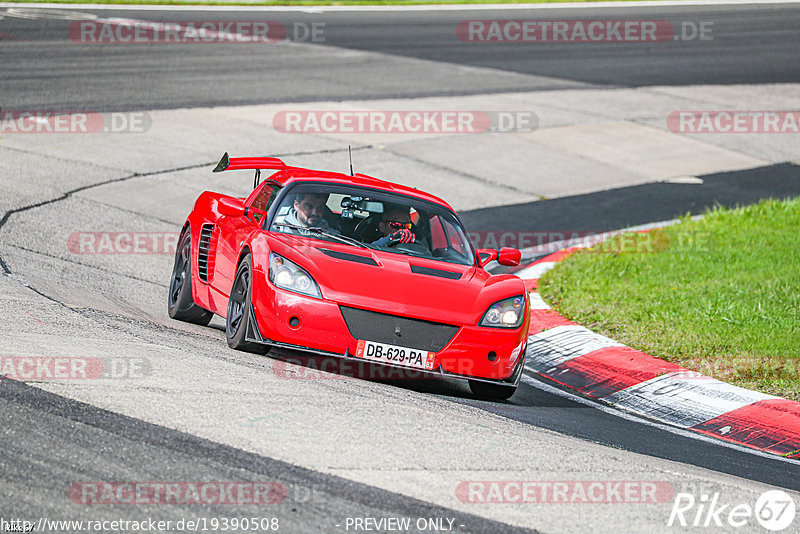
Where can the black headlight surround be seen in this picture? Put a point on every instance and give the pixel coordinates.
(520, 316)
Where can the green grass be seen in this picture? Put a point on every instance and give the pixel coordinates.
(719, 295)
(301, 2)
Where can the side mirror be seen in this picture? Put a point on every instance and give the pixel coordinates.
(510, 257)
(230, 207)
(485, 255)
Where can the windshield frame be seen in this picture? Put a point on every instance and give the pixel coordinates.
(379, 194)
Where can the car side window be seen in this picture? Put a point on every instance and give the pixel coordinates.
(454, 239)
(264, 199)
(438, 236)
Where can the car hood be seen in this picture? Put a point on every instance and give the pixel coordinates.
(399, 284)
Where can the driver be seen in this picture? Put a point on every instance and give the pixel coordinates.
(308, 210)
(395, 226)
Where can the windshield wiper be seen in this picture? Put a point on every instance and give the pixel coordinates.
(322, 231)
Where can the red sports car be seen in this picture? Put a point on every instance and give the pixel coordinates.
(354, 267)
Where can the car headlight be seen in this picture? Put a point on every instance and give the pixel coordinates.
(507, 313)
(288, 275)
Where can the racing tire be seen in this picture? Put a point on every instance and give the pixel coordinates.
(180, 304)
(486, 391)
(237, 321)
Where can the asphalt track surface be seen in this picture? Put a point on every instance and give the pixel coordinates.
(636, 205)
(751, 44)
(125, 444)
(73, 441)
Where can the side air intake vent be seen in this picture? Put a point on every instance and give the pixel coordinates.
(207, 252)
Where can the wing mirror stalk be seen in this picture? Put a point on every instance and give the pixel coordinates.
(510, 257)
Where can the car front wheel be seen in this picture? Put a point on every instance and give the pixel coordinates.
(238, 320)
(486, 391)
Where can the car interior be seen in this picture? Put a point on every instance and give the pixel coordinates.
(358, 217)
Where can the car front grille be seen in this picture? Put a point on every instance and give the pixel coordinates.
(396, 330)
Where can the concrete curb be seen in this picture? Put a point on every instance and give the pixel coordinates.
(602, 369)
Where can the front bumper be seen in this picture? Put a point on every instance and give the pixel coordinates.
(289, 320)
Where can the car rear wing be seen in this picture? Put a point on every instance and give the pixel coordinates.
(228, 163)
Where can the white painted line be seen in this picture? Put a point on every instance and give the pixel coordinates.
(616, 412)
(562, 343)
(537, 302)
(534, 272)
(25, 12)
(427, 7)
(684, 399)
(692, 180)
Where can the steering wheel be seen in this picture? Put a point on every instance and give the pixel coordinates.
(367, 228)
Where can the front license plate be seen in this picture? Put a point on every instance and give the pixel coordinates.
(381, 352)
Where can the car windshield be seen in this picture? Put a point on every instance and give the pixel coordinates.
(368, 218)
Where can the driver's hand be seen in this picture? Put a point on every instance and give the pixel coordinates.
(402, 236)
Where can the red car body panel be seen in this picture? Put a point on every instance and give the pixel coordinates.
(389, 287)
